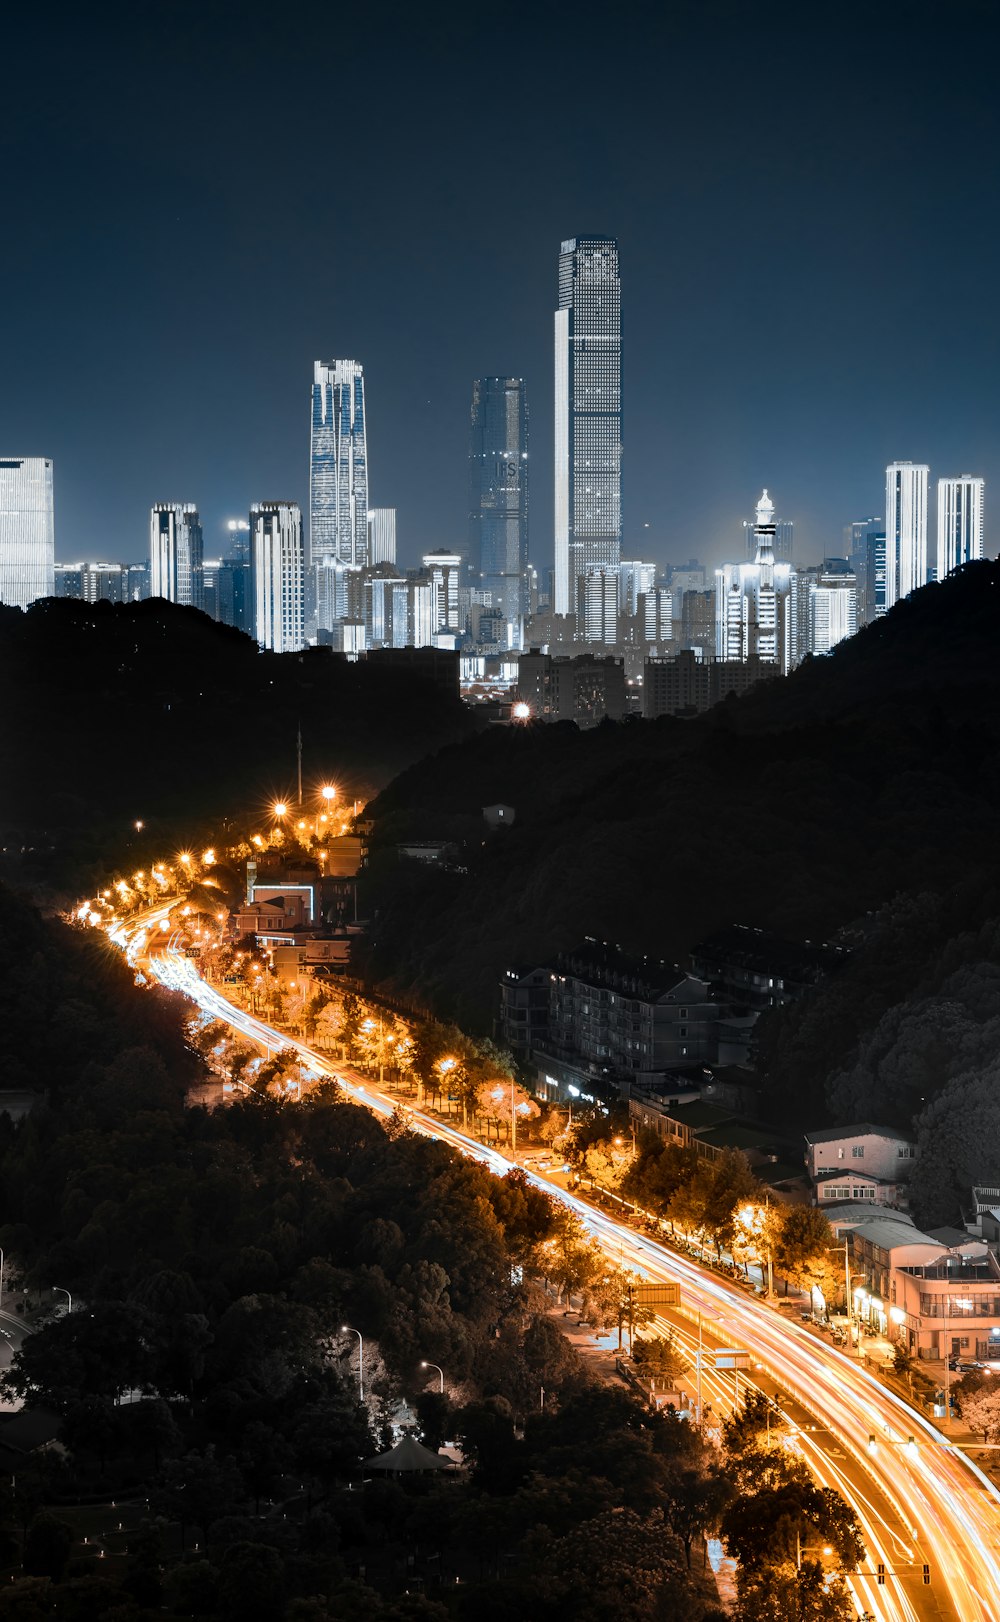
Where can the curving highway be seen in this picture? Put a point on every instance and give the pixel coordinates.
(920, 1500)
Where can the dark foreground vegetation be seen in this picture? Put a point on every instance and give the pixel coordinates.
(146, 711)
(206, 1401)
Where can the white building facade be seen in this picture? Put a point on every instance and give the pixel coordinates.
(176, 553)
(905, 529)
(27, 530)
(382, 535)
(959, 522)
(277, 572)
(755, 607)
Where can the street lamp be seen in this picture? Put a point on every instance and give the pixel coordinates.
(440, 1374)
(345, 1329)
(57, 1289)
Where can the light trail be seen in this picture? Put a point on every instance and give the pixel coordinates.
(941, 1500)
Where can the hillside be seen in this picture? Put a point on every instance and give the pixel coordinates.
(149, 711)
(805, 807)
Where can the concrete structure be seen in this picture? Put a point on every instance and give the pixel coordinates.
(175, 553)
(585, 689)
(588, 422)
(443, 569)
(827, 608)
(905, 529)
(687, 685)
(758, 970)
(937, 1300)
(864, 547)
(27, 530)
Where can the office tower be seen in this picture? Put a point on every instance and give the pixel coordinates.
(959, 522)
(382, 535)
(233, 580)
(385, 607)
(276, 564)
(634, 580)
(137, 586)
(338, 466)
(597, 606)
(444, 569)
(755, 603)
(905, 529)
(175, 553)
(784, 540)
(498, 496)
(864, 547)
(656, 615)
(68, 580)
(27, 546)
(697, 621)
(588, 414)
(827, 607)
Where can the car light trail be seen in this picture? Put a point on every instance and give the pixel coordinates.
(947, 1510)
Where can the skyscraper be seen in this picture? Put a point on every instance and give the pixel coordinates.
(588, 415)
(498, 497)
(755, 602)
(382, 535)
(784, 540)
(27, 551)
(959, 522)
(338, 465)
(905, 529)
(175, 553)
(276, 565)
(444, 569)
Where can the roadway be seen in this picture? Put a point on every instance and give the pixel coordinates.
(918, 1498)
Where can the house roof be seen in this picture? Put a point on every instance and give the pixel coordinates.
(836, 1174)
(407, 1456)
(861, 1129)
(889, 1233)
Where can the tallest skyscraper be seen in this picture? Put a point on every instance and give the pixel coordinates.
(338, 465)
(588, 425)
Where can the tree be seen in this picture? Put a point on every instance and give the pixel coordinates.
(807, 1595)
(47, 1546)
(694, 1498)
(981, 1411)
(764, 1527)
(803, 1250)
(251, 1583)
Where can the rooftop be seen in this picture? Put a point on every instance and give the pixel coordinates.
(763, 953)
(600, 963)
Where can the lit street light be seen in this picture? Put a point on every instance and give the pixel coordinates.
(345, 1329)
(57, 1289)
(440, 1374)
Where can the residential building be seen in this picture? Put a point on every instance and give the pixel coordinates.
(338, 484)
(827, 607)
(92, 582)
(588, 405)
(860, 1162)
(905, 529)
(498, 497)
(936, 1299)
(138, 582)
(686, 685)
(635, 580)
(382, 535)
(959, 522)
(27, 530)
(597, 606)
(655, 613)
(277, 569)
(697, 620)
(586, 689)
(67, 580)
(385, 607)
(758, 970)
(176, 553)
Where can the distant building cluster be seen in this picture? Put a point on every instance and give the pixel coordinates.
(596, 634)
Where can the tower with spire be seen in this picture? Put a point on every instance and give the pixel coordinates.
(755, 602)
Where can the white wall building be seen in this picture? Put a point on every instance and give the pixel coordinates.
(382, 535)
(277, 570)
(905, 529)
(755, 607)
(445, 570)
(959, 522)
(27, 549)
(860, 1162)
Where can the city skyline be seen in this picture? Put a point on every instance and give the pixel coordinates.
(231, 336)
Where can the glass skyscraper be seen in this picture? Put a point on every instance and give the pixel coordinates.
(588, 417)
(498, 497)
(338, 465)
(175, 553)
(27, 553)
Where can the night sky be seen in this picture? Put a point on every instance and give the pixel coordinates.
(200, 200)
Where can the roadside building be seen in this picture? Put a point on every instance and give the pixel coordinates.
(861, 1162)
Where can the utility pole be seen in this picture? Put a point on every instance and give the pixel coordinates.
(298, 751)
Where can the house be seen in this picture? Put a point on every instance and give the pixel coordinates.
(935, 1299)
(860, 1162)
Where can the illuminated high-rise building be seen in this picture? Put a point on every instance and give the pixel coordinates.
(338, 465)
(276, 566)
(175, 553)
(959, 522)
(382, 535)
(444, 569)
(588, 415)
(27, 550)
(755, 606)
(905, 529)
(498, 497)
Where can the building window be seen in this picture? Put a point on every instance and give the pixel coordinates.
(840, 1154)
(858, 1151)
(683, 1031)
(684, 1013)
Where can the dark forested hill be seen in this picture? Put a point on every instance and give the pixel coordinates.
(146, 710)
(804, 807)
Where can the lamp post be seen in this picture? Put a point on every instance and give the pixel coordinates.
(345, 1329)
(439, 1372)
(57, 1289)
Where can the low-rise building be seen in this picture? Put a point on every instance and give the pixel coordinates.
(937, 1300)
(860, 1162)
